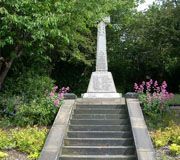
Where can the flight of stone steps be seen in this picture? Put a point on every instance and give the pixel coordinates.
(99, 132)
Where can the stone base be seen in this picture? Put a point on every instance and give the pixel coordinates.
(101, 82)
(101, 95)
(101, 85)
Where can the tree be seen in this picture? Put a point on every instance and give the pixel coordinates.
(146, 45)
(34, 27)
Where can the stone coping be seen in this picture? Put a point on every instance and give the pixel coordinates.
(100, 100)
(143, 143)
(54, 140)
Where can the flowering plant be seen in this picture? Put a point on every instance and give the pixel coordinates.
(54, 98)
(153, 97)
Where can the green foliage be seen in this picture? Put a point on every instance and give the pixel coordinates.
(175, 149)
(6, 140)
(23, 101)
(162, 121)
(29, 85)
(41, 111)
(35, 113)
(39, 26)
(175, 100)
(145, 44)
(3, 155)
(169, 136)
(153, 97)
(28, 140)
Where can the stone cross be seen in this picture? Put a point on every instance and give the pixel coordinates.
(101, 57)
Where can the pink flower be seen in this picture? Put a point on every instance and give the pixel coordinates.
(149, 99)
(143, 83)
(56, 101)
(55, 88)
(51, 94)
(67, 88)
(158, 89)
(155, 83)
(164, 85)
(151, 81)
(136, 87)
(61, 95)
(171, 95)
(154, 94)
(162, 108)
(148, 85)
(46, 91)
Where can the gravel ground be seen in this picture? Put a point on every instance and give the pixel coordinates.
(163, 153)
(15, 155)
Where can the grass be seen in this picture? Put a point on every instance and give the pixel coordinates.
(176, 99)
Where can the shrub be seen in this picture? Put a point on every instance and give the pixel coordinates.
(153, 97)
(175, 149)
(3, 155)
(169, 136)
(6, 140)
(40, 111)
(29, 85)
(28, 140)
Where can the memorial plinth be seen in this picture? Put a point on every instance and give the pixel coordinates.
(101, 84)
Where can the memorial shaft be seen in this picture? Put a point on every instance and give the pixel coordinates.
(101, 84)
(101, 57)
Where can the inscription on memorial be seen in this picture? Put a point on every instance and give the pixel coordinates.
(101, 61)
(101, 29)
(102, 83)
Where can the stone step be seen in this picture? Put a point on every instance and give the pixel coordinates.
(99, 111)
(99, 116)
(98, 157)
(98, 141)
(98, 150)
(101, 106)
(99, 127)
(99, 134)
(99, 122)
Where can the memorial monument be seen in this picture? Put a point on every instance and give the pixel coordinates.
(101, 84)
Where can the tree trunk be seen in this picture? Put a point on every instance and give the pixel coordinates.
(5, 65)
(4, 70)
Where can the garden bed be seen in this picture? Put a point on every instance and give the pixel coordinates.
(22, 143)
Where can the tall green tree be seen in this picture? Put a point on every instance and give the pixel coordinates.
(37, 27)
(146, 45)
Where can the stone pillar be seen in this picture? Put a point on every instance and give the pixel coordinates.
(101, 84)
(101, 57)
